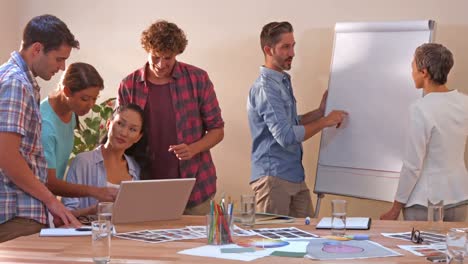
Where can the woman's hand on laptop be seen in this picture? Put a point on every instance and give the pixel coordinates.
(104, 194)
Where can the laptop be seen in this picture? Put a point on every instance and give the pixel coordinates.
(151, 200)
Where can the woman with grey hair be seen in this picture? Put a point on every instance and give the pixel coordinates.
(434, 166)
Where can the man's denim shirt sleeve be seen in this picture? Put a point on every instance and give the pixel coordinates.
(273, 108)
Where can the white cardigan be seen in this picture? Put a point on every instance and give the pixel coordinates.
(434, 165)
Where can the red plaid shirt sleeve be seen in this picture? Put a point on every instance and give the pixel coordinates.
(209, 109)
(133, 89)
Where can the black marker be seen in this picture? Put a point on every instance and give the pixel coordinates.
(83, 229)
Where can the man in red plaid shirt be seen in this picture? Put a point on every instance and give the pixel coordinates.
(182, 115)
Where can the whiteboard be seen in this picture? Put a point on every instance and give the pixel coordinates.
(370, 78)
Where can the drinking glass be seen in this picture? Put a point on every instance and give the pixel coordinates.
(105, 211)
(435, 214)
(338, 223)
(247, 210)
(456, 246)
(101, 241)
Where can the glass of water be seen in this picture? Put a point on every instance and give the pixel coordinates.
(247, 210)
(456, 245)
(435, 214)
(105, 211)
(101, 241)
(338, 223)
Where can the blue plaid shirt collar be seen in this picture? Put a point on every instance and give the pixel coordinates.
(17, 59)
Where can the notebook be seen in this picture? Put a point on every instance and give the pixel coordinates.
(58, 232)
(64, 232)
(151, 200)
(358, 223)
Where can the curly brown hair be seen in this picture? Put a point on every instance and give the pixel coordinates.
(162, 37)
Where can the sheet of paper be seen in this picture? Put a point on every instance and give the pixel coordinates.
(58, 232)
(289, 233)
(178, 234)
(325, 249)
(145, 236)
(295, 246)
(161, 235)
(236, 231)
(428, 237)
(215, 252)
(425, 250)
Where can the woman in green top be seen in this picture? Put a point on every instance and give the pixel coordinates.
(77, 92)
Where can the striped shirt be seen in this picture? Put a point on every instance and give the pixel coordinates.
(19, 113)
(196, 111)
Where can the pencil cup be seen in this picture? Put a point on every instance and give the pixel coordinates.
(247, 210)
(435, 214)
(101, 241)
(338, 223)
(218, 229)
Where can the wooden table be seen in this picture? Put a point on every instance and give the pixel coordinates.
(35, 249)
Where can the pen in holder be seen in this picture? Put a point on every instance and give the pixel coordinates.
(219, 224)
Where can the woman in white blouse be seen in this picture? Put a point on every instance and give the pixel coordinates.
(111, 162)
(434, 166)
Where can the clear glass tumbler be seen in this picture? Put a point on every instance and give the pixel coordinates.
(101, 241)
(247, 210)
(338, 223)
(456, 245)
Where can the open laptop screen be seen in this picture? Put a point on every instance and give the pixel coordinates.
(151, 200)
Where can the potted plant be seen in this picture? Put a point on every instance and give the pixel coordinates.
(89, 132)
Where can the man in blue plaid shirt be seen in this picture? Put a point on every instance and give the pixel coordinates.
(24, 199)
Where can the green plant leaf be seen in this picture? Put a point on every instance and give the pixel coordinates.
(93, 126)
(88, 121)
(78, 141)
(95, 123)
(96, 108)
(107, 113)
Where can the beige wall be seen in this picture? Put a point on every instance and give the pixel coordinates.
(9, 28)
(223, 39)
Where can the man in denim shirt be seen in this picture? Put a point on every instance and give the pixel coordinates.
(278, 131)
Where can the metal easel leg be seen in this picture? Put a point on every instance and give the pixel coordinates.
(317, 206)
